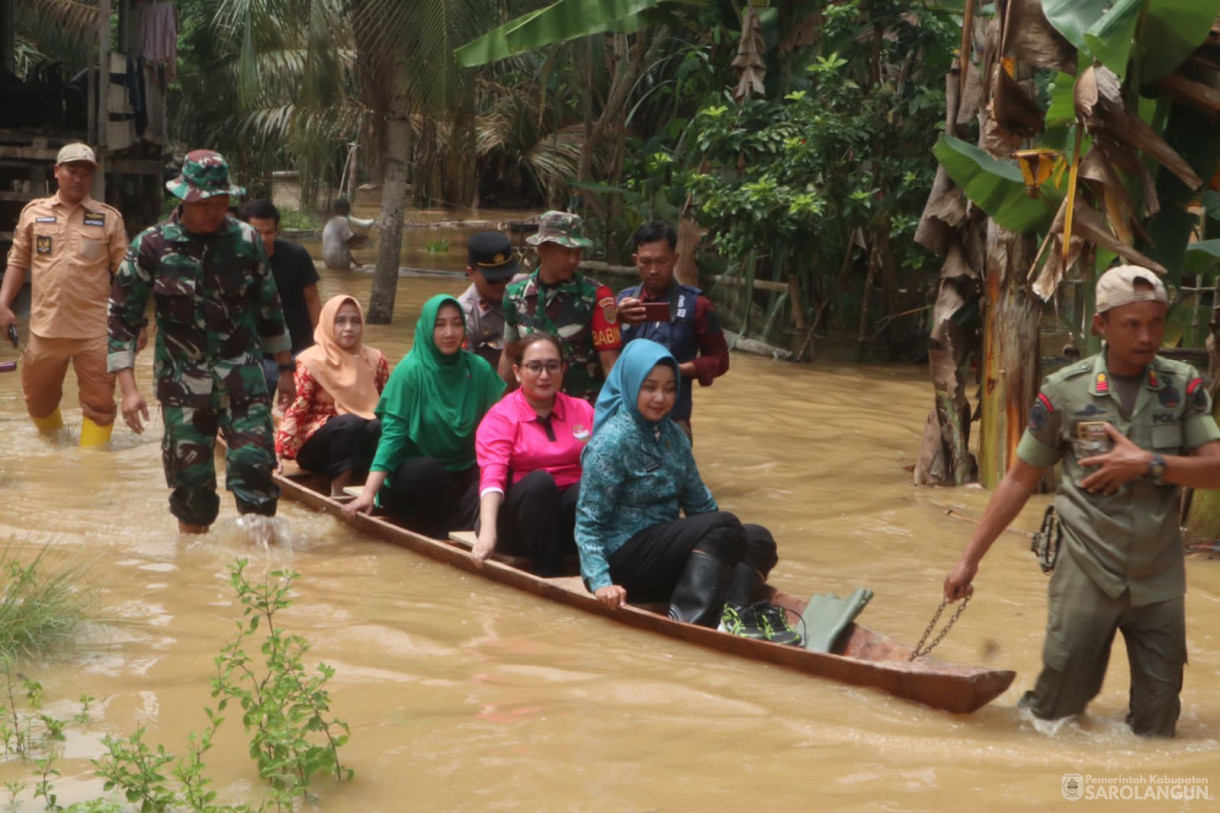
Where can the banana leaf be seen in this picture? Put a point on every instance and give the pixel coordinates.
(996, 186)
(1111, 37)
(1073, 18)
(1172, 30)
(1062, 107)
(1203, 256)
(561, 21)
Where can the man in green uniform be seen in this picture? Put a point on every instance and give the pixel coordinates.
(1130, 429)
(557, 300)
(217, 312)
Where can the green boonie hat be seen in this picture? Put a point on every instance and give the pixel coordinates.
(563, 228)
(205, 174)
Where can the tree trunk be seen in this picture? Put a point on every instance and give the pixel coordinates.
(394, 155)
(1010, 350)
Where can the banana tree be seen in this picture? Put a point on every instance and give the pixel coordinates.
(1095, 136)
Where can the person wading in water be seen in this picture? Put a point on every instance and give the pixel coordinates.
(1130, 429)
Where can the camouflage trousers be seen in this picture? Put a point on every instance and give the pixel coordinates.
(188, 454)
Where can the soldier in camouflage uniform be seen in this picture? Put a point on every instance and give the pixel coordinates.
(557, 300)
(217, 311)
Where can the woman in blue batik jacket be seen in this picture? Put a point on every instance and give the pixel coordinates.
(638, 474)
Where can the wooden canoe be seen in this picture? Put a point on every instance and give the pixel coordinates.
(864, 657)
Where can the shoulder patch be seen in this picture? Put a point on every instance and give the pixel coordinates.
(1041, 412)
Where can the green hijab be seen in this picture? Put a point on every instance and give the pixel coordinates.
(440, 399)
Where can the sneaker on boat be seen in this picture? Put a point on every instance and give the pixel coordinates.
(762, 622)
(741, 620)
(773, 619)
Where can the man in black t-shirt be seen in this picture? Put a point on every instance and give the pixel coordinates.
(295, 277)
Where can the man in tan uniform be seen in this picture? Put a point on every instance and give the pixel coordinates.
(71, 245)
(1129, 430)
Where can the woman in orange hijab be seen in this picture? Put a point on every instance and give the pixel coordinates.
(331, 427)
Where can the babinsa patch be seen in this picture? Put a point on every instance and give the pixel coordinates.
(1169, 397)
(609, 310)
(43, 244)
(1162, 417)
(95, 218)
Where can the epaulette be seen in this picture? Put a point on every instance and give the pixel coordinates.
(1070, 371)
(33, 202)
(1172, 365)
(101, 204)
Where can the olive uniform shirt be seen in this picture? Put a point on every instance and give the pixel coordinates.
(1129, 540)
(217, 312)
(71, 253)
(580, 312)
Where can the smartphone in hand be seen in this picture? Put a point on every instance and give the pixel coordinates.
(656, 311)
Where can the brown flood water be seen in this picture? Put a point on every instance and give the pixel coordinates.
(464, 695)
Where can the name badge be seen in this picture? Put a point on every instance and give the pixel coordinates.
(43, 244)
(48, 219)
(95, 218)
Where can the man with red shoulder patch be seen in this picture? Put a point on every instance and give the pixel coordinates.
(1129, 430)
(558, 300)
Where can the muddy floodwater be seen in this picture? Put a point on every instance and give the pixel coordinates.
(465, 695)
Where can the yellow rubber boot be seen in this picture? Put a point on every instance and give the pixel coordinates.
(50, 423)
(93, 435)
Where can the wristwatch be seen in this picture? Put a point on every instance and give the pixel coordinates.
(1156, 468)
(290, 368)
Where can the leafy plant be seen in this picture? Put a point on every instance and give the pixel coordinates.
(437, 247)
(38, 607)
(285, 710)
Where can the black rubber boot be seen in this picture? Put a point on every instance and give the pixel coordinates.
(745, 585)
(699, 595)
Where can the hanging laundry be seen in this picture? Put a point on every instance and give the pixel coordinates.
(159, 34)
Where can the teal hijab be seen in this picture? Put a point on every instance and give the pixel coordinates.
(440, 398)
(622, 387)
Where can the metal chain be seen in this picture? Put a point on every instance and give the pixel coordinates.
(919, 650)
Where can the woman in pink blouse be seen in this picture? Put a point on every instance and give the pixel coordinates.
(331, 427)
(528, 448)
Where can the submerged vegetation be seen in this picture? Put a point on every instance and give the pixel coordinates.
(40, 605)
(285, 709)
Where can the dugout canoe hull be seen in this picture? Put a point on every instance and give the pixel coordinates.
(865, 657)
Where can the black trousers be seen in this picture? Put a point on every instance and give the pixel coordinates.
(430, 499)
(537, 519)
(650, 563)
(344, 443)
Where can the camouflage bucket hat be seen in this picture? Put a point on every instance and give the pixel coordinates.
(563, 228)
(205, 174)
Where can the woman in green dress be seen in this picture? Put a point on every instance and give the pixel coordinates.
(424, 471)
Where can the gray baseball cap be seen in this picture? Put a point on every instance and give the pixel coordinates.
(1116, 287)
